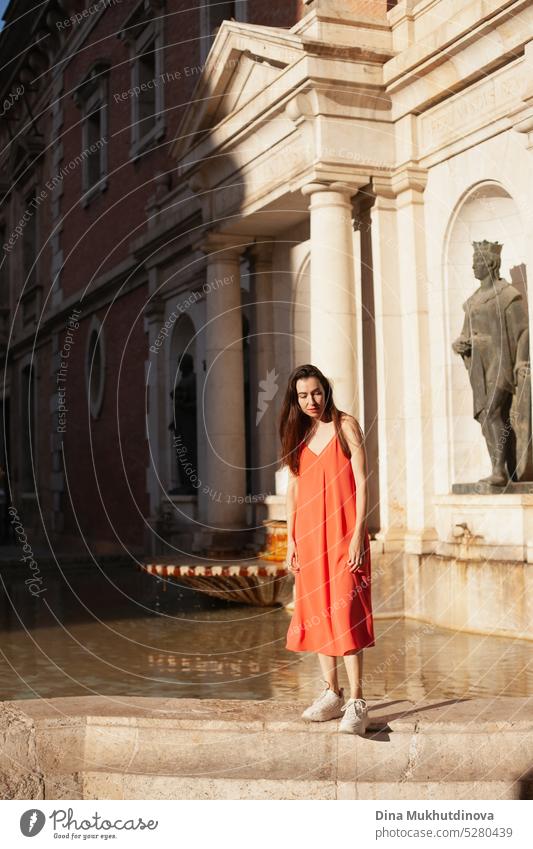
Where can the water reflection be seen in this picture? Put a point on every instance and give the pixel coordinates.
(132, 641)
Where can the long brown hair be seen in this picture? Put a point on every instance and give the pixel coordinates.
(295, 425)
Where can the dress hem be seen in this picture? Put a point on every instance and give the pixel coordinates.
(330, 653)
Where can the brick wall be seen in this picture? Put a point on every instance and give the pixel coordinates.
(276, 14)
(116, 460)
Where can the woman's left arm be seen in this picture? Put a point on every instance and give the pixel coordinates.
(356, 441)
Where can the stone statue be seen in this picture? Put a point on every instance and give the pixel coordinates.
(184, 427)
(494, 345)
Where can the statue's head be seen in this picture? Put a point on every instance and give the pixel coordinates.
(487, 259)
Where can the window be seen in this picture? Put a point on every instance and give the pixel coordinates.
(147, 124)
(94, 135)
(95, 368)
(91, 96)
(146, 74)
(142, 31)
(27, 445)
(30, 240)
(4, 292)
(4, 269)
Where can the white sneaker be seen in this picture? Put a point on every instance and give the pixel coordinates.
(328, 705)
(355, 719)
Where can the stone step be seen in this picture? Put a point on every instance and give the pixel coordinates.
(125, 745)
(108, 785)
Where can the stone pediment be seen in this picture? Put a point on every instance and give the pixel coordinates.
(271, 105)
(252, 74)
(243, 62)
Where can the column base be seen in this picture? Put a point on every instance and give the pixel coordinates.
(411, 542)
(389, 539)
(421, 542)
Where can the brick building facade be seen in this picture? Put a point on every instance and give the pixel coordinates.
(84, 163)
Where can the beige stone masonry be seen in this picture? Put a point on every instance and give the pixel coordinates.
(137, 748)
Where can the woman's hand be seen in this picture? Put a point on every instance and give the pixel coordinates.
(291, 561)
(357, 551)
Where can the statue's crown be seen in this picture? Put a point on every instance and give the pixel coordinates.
(488, 248)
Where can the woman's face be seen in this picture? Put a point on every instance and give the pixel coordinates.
(310, 396)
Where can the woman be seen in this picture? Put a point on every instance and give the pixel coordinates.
(328, 544)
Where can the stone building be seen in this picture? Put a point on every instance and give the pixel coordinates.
(318, 174)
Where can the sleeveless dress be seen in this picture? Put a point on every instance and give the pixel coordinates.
(333, 609)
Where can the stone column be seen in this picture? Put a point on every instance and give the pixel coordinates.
(408, 185)
(368, 395)
(389, 365)
(222, 407)
(264, 382)
(332, 284)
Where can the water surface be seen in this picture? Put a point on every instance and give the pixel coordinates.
(119, 634)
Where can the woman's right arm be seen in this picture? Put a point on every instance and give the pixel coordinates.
(290, 502)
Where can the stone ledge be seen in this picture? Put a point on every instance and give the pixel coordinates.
(127, 747)
(450, 714)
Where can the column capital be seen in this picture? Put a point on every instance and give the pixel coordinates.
(155, 309)
(523, 122)
(213, 242)
(410, 177)
(262, 249)
(382, 186)
(337, 186)
(521, 117)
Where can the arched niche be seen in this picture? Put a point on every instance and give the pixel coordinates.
(183, 341)
(486, 211)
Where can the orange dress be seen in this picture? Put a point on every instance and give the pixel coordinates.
(333, 609)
